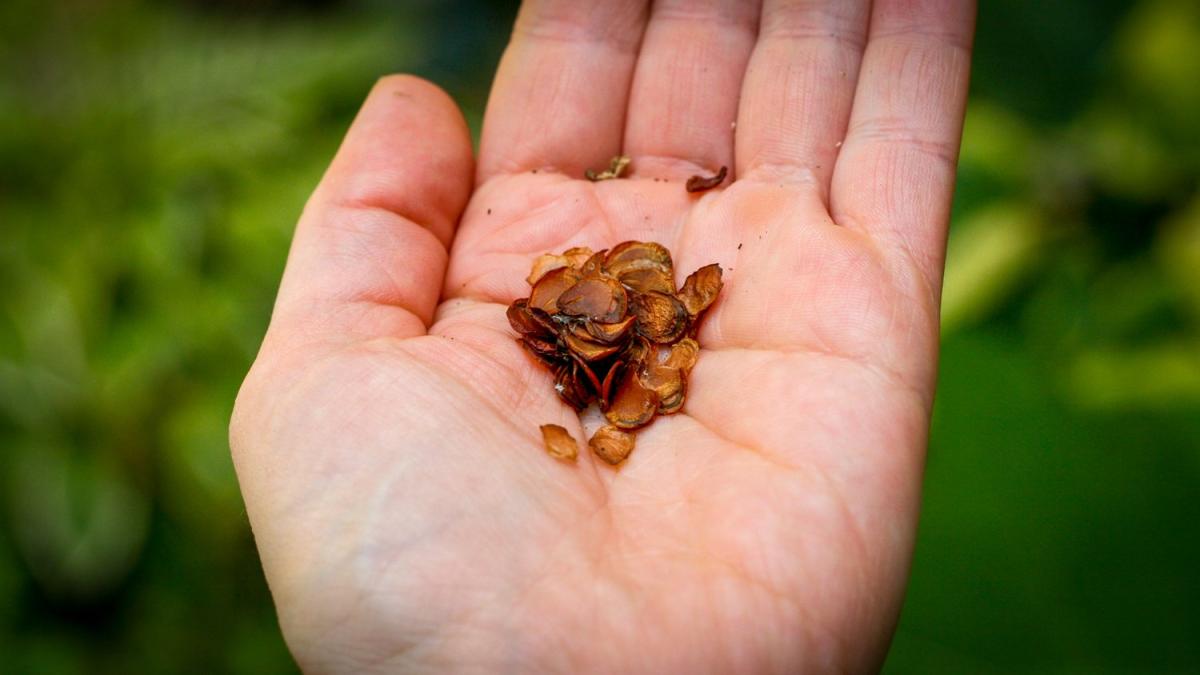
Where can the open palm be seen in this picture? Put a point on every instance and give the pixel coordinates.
(387, 437)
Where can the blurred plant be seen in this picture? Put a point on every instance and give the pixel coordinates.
(152, 163)
(1104, 205)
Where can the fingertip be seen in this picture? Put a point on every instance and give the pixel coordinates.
(374, 238)
(409, 152)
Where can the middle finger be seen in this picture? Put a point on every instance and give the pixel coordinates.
(684, 98)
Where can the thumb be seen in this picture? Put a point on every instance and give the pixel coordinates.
(370, 250)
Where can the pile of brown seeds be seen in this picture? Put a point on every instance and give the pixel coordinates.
(615, 331)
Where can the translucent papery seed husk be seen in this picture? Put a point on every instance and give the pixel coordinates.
(611, 444)
(599, 298)
(577, 256)
(660, 317)
(559, 443)
(700, 289)
(633, 405)
(545, 263)
(549, 288)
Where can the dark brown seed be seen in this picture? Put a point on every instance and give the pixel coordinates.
(550, 287)
(633, 405)
(580, 342)
(559, 442)
(702, 183)
(642, 266)
(606, 387)
(660, 317)
(586, 375)
(638, 352)
(611, 444)
(637, 255)
(528, 324)
(598, 298)
(648, 279)
(569, 388)
(610, 333)
(543, 349)
(700, 289)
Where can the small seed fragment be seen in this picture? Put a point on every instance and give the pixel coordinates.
(559, 442)
(611, 444)
(615, 167)
(702, 183)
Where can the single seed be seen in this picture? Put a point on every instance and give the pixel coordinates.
(611, 444)
(702, 183)
(559, 442)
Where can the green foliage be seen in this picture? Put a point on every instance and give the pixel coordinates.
(153, 160)
(1061, 483)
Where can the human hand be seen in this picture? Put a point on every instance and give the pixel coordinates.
(387, 437)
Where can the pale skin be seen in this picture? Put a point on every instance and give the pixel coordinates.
(387, 436)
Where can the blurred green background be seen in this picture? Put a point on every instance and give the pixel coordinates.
(153, 159)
